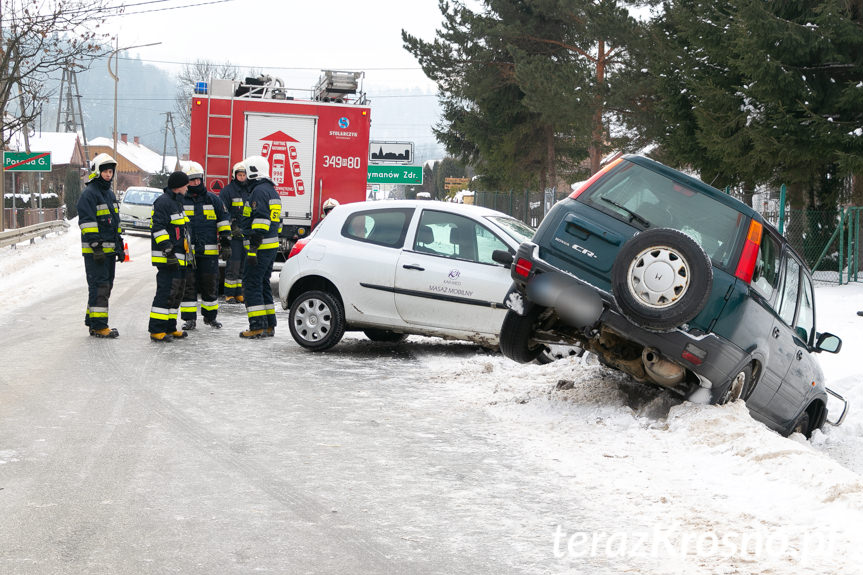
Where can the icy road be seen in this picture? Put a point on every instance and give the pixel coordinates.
(215, 455)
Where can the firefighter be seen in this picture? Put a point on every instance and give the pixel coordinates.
(171, 249)
(328, 207)
(101, 243)
(211, 238)
(260, 226)
(234, 196)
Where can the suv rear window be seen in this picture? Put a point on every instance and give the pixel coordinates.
(647, 199)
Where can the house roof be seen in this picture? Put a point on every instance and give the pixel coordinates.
(60, 144)
(140, 155)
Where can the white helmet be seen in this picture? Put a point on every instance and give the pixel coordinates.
(102, 162)
(257, 167)
(329, 205)
(194, 170)
(238, 167)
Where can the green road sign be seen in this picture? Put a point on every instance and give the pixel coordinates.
(26, 162)
(395, 174)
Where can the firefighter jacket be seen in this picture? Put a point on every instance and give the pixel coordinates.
(262, 220)
(168, 230)
(208, 221)
(98, 218)
(234, 196)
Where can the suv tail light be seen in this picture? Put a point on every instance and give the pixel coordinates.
(593, 178)
(523, 267)
(298, 247)
(749, 255)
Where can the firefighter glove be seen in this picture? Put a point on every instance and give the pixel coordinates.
(171, 260)
(255, 241)
(235, 230)
(225, 252)
(225, 239)
(98, 253)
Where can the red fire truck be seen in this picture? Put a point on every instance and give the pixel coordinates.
(317, 148)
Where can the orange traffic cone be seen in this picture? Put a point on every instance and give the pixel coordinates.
(126, 249)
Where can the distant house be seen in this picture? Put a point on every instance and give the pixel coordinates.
(135, 161)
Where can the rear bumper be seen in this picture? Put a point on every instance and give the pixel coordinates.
(707, 355)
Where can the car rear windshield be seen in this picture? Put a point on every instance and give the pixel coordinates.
(647, 199)
(140, 198)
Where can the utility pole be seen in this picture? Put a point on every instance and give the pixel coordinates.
(69, 109)
(169, 125)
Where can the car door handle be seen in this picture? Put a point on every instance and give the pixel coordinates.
(414, 267)
(799, 354)
(775, 332)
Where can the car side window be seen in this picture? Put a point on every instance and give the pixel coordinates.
(790, 291)
(454, 236)
(383, 227)
(806, 318)
(765, 279)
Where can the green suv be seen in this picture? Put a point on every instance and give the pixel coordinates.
(675, 283)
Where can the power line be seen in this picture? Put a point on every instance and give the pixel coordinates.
(164, 9)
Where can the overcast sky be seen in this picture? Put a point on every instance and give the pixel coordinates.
(286, 38)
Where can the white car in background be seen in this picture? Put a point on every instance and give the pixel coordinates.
(136, 207)
(400, 267)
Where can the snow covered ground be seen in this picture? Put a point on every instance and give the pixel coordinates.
(657, 486)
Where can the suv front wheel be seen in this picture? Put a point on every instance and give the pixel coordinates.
(661, 279)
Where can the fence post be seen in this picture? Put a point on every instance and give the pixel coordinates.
(841, 244)
(782, 211)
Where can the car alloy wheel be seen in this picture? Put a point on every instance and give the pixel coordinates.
(317, 320)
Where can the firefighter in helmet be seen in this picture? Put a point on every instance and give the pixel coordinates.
(211, 238)
(234, 196)
(328, 207)
(101, 242)
(169, 244)
(260, 224)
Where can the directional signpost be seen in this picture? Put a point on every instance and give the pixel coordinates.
(411, 175)
(26, 161)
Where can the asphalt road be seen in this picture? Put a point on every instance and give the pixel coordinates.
(218, 455)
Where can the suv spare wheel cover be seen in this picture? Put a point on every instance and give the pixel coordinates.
(661, 279)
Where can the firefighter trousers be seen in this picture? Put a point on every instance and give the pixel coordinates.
(166, 303)
(234, 269)
(203, 279)
(258, 292)
(100, 281)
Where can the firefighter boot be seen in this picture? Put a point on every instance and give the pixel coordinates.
(270, 332)
(105, 332)
(162, 336)
(230, 299)
(213, 323)
(252, 334)
(179, 334)
(189, 325)
(240, 299)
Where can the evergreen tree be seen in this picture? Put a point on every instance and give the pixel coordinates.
(762, 92)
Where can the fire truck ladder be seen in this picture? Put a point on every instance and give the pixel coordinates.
(218, 159)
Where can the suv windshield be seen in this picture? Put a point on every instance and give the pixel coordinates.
(647, 199)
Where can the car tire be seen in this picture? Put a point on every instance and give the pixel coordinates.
(802, 425)
(516, 336)
(741, 386)
(681, 277)
(317, 320)
(385, 335)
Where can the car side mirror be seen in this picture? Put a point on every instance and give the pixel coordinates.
(828, 342)
(503, 257)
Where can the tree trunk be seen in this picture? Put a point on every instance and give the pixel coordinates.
(550, 157)
(595, 149)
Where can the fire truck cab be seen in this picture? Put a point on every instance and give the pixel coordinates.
(317, 148)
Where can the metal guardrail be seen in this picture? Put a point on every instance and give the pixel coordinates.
(12, 237)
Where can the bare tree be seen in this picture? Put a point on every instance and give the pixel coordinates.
(38, 38)
(198, 71)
